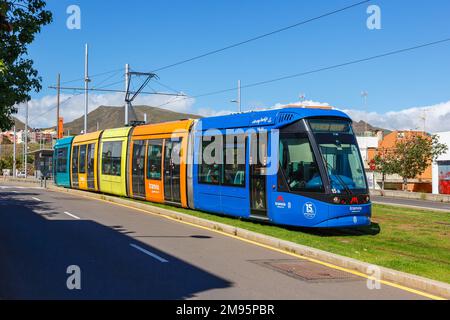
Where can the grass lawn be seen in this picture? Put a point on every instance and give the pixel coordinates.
(409, 240)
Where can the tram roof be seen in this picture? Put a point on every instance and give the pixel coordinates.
(63, 141)
(164, 127)
(269, 118)
(83, 138)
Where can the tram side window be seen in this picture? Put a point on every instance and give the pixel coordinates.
(234, 167)
(111, 158)
(91, 157)
(299, 165)
(154, 158)
(82, 163)
(61, 160)
(75, 160)
(210, 166)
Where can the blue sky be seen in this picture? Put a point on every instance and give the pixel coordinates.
(152, 34)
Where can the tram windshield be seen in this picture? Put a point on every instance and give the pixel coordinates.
(340, 153)
(298, 163)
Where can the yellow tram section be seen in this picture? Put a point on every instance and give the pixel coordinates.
(113, 161)
(84, 168)
(163, 133)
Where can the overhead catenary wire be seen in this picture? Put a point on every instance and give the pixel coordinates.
(121, 91)
(95, 88)
(92, 76)
(120, 72)
(335, 66)
(167, 87)
(234, 45)
(54, 107)
(181, 97)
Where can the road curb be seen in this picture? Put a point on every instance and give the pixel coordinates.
(408, 206)
(399, 278)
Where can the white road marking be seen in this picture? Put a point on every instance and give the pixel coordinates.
(72, 215)
(19, 187)
(15, 191)
(149, 253)
(37, 199)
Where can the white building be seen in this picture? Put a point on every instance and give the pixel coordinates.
(366, 143)
(441, 168)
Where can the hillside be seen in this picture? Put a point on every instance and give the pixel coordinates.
(360, 126)
(113, 117)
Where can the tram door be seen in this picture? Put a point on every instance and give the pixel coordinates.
(90, 166)
(138, 169)
(172, 159)
(75, 183)
(258, 163)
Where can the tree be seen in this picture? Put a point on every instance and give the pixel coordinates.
(386, 163)
(415, 153)
(20, 21)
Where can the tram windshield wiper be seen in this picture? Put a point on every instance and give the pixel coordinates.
(341, 181)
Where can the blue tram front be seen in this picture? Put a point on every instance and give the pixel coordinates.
(300, 167)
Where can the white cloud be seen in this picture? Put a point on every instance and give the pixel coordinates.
(437, 118)
(43, 114)
(210, 112)
(307, 103)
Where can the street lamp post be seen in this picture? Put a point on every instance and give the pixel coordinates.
(238, 100)
(365, 94)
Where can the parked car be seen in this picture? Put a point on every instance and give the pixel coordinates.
(21, 174)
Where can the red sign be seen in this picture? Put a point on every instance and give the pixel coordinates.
(372, 165)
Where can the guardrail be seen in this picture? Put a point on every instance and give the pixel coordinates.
(28, 180)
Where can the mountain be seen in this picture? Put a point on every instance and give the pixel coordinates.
(360, 126)
(109, 117)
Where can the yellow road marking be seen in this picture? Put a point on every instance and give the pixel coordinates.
(357, 273)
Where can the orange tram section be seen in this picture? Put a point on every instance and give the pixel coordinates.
(146, 162)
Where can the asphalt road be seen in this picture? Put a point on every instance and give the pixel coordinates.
(426, 204)
(126, 254)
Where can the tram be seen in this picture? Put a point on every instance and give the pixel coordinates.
(289, 166)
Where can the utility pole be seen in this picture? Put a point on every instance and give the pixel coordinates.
(302, 97)
(127, 84)
(86, 87)
(26, 140)
(238, 100)
(58, 90)
(364, 94)
(239, 95)
(131, 95)
(14, 152)
(424, 119)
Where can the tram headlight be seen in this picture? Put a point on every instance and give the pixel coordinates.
(336, 200)
(367, 199)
